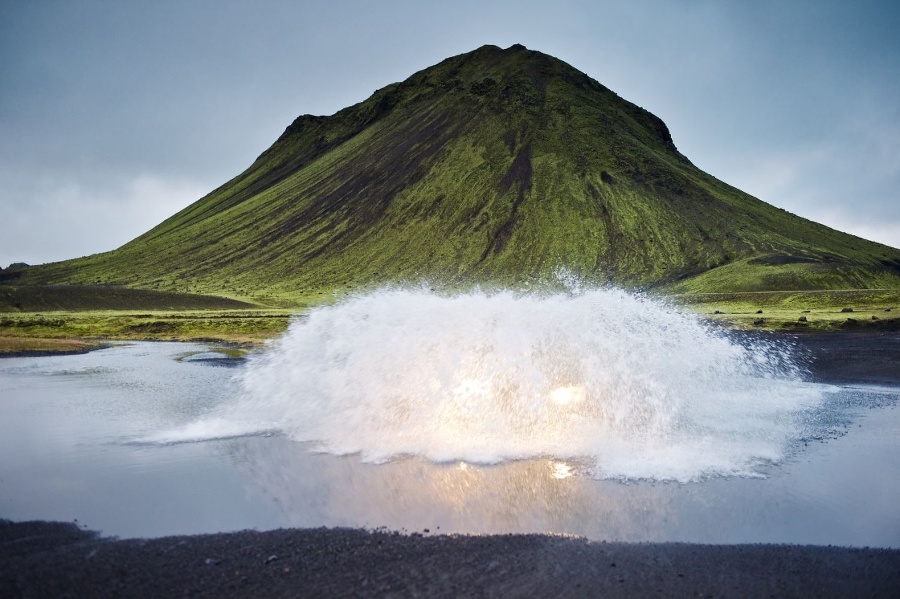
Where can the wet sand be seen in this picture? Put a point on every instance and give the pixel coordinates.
(39, 559)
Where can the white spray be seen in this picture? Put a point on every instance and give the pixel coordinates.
(624, 386)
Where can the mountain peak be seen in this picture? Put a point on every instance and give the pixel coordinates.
(497, 166)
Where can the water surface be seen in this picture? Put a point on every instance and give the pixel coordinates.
(633, 424)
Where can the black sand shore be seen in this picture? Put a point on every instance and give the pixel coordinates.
(871, 357)
(41, 559)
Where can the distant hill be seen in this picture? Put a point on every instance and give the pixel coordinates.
(497, 166)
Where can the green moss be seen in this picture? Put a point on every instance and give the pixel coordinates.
(224, 325)
(820, 310)
(494, 167)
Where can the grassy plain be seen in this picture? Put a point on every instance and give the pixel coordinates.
(67, 331)
(863, 309)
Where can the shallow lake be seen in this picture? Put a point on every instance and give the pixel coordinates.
(595, 414)
(71, 449)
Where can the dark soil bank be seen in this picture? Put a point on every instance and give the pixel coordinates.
(58, 560)
(853, 357)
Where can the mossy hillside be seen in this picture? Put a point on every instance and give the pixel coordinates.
(29, 298)
(495, 167)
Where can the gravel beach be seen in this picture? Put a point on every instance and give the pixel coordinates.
(40, 559)
(47, 559)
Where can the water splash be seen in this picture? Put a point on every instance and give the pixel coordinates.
(623, 386)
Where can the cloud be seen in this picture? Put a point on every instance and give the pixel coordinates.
(66, 219)
(887, 233)
(848, 178)
(110, 103)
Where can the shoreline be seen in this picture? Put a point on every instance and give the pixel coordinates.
(26, 347)
(90, 345)
(854, 356)
(46, 353)
(59, 559)
(37, 328)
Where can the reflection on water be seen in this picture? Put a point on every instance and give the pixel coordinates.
(68, 427)
(832, 493)
(411, 494)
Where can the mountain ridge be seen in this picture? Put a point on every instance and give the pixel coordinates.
(492, 167)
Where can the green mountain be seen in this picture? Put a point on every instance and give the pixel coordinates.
(496, 166)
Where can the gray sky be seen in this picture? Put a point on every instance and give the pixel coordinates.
(115, 115)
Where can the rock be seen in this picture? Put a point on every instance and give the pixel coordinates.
(759, 311)
(875, 317)
(887, 309)
(801, 319)
(717, 312)
(271, 559)
(211, 561)
(846, 309)
(759, 321)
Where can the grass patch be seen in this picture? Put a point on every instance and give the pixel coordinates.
(863, 309)
(232, 326)
(38, 346)
(872, 310)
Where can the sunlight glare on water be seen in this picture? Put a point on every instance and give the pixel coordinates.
(620, 386)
